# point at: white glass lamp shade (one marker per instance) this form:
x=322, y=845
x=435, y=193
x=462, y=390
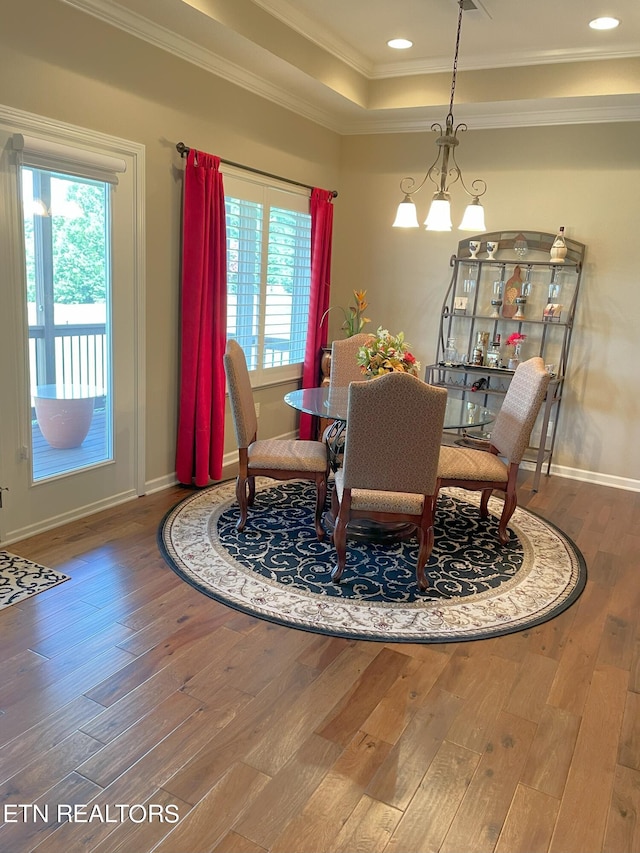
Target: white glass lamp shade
x=439, y=216
x=473, y=219
x=406, y=217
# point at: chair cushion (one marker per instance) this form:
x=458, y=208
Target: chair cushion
x=287, y=455
x=403, y=503
x=461, y=463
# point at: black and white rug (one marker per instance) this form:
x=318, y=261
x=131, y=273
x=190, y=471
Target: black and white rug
x=277, y=570
x=21, y=578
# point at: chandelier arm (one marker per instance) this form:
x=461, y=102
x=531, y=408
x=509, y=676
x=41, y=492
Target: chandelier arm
x=409, y=185
x=478, y=185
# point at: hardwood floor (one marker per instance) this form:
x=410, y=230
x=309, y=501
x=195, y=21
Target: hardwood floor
x=128, y=693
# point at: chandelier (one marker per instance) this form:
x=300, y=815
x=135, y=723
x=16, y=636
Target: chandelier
x=443, y=174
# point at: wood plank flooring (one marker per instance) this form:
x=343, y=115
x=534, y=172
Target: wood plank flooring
x=126, y=689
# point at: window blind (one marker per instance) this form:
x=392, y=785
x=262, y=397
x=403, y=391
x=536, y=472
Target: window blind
x=56, y=157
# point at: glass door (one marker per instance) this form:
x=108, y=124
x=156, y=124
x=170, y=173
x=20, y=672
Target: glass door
x=68, y=292
x=71, y=324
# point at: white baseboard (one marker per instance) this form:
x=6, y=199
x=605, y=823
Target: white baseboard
x=66, y=517
x=594, y=477
x=160, y=483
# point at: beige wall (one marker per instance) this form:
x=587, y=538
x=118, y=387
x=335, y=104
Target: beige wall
x=60, y=63
x=583, y=177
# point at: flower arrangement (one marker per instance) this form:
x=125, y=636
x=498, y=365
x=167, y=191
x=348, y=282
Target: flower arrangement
x=386, y=353
x=515, y=339
x=354, y=319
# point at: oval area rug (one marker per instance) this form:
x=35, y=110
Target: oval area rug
x=277, y=570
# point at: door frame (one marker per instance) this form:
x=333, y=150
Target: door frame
x=23, y=122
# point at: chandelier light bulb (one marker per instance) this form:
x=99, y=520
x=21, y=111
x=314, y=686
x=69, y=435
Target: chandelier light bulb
x=406, y=217
x=439, y=216
x=473, y=219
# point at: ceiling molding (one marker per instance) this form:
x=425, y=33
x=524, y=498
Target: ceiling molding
x=501, y=60
x=507, y=114
x=159, y=36
x=321, y=37
x=336, y=113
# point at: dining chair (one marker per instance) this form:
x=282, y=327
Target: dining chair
x=389, y=472
x=278, y=458
x=344, y=370
x=494, y=463
x=344, y=360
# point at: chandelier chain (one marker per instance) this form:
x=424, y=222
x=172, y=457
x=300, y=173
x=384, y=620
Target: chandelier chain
x=455, y=61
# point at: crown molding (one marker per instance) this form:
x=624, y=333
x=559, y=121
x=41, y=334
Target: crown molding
x=498, y=60
x=507, y=114
x=345, y=118
x=321, y=37
x=165, y=39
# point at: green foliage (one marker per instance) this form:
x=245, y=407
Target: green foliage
x=78, y=245
x=79, y=249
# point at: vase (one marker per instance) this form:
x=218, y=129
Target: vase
x=514, y=360
x=325, y=366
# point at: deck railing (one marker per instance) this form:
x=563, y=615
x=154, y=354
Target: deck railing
x=69, y=354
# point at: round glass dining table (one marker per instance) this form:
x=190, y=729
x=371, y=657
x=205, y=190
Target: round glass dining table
x=331, y=403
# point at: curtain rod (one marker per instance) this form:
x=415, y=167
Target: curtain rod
x=183, y=150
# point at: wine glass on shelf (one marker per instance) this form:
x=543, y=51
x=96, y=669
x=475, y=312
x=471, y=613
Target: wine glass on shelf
x=520, y=246
x=520, y=302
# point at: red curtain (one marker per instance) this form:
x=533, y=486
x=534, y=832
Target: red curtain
x=203, y=322
x=321, y=237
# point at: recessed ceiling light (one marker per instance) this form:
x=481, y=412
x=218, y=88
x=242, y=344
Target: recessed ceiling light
x=604, y=23
x=400, y=44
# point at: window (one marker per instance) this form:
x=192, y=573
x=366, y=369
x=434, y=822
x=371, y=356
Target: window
x=268, y=275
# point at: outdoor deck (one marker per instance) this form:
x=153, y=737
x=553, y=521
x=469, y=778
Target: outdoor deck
x=49, y=462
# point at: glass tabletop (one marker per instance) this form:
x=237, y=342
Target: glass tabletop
x=331, y=403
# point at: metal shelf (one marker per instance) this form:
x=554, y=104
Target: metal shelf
x=551, y=337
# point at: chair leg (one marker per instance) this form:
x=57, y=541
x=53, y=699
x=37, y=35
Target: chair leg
x=252, y=490
x=321, y=497
x=340, y=540
x=425, y=541
x=484, y=503
x=510, y=503
x=241, y=497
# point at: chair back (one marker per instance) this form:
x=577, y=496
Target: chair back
x=520, y=407
x=240, y=393
x=344, y=364
x=394, y=430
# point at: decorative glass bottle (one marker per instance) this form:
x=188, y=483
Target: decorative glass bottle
x=559, y=248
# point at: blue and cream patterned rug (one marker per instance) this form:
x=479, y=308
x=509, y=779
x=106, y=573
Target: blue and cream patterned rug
x=21, y=578
x=277, y=570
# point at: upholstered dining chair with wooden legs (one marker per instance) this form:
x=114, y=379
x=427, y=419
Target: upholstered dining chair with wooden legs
x=344, y=370
x=389, y=473
x=482, y=469
x=279, y=458
x=344, y=360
